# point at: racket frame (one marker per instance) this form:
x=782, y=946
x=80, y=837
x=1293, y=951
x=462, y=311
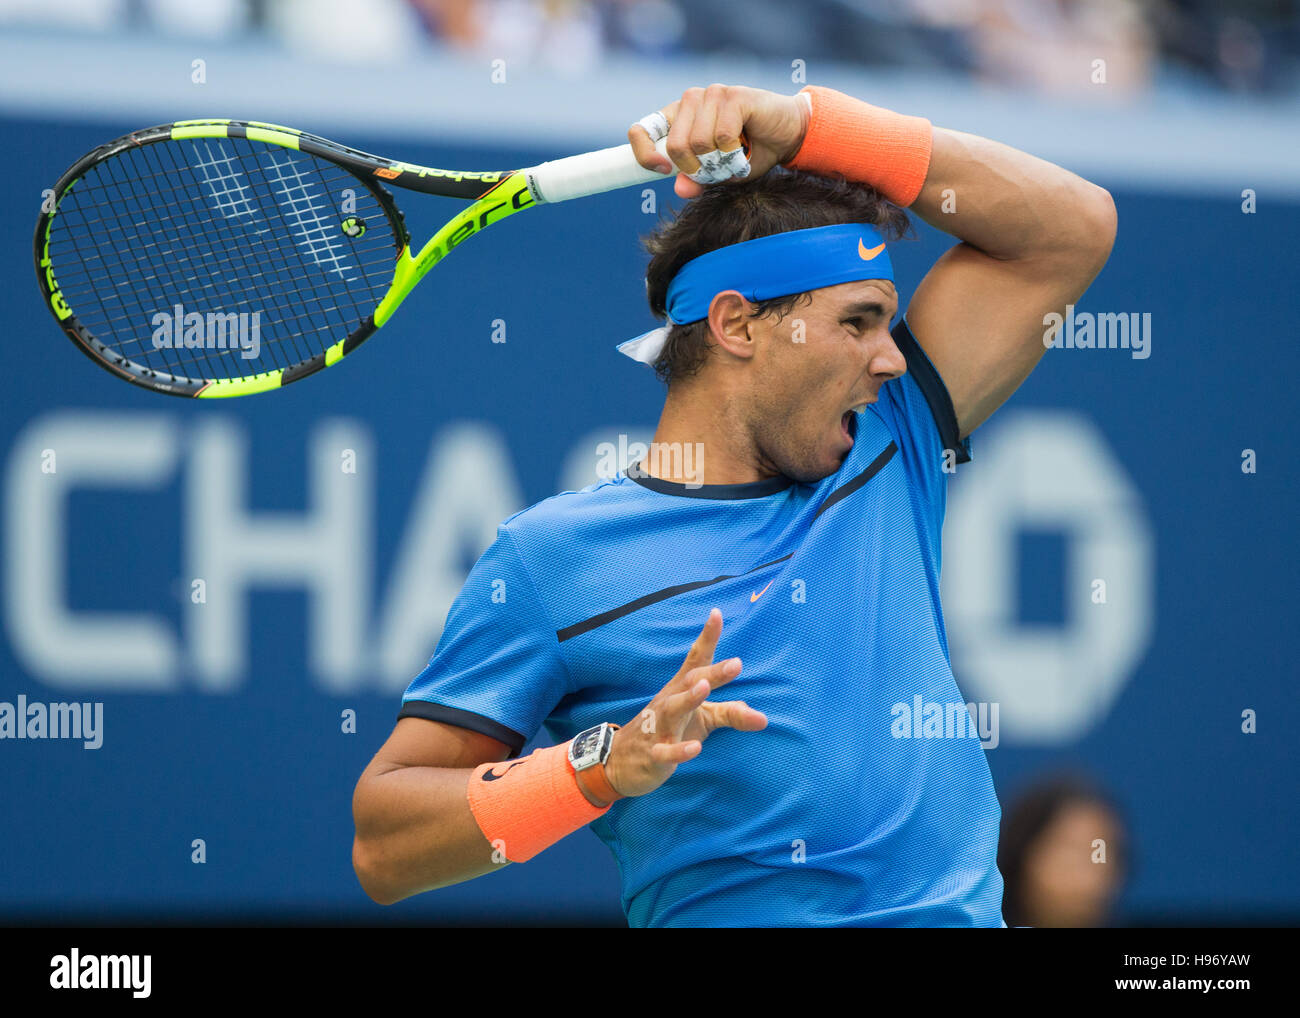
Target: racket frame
x=494, y=195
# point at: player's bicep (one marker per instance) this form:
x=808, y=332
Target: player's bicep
x=981, y=322
x=417, y=742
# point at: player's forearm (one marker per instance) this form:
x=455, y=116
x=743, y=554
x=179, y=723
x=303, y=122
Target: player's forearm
x=1012, y=205
x=415, y=832
x=1005, y=203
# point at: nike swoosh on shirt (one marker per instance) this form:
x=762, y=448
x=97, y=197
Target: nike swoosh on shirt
x=866, y=255
x=755, y=597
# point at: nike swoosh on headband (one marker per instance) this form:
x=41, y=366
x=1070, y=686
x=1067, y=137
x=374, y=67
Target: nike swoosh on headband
x=866, y=255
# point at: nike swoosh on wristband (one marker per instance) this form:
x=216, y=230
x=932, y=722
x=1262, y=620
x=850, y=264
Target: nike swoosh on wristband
x=489, y=776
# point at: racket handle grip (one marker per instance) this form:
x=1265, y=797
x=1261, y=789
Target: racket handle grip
x=592, y=173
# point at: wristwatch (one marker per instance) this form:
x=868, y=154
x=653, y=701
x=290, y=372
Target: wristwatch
x=587, y=755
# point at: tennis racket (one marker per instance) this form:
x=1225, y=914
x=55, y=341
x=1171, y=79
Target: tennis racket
x=225, y=257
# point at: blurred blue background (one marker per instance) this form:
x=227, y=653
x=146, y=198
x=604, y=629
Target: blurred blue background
x=224, y=720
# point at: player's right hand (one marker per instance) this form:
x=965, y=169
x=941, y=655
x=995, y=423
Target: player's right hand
x=674, y=725
x=717, y=118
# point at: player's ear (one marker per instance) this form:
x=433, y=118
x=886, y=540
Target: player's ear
x=730, y=318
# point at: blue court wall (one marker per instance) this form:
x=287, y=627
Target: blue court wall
x=223, y=721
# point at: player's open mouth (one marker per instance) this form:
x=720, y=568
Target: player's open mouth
x=846, y=419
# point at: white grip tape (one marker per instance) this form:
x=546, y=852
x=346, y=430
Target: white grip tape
x=592, y=173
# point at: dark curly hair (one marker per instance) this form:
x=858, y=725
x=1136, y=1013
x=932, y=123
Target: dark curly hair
x=779, y=201
x=1031, y=814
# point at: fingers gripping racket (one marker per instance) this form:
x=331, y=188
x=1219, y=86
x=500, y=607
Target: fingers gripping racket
x=225, y=257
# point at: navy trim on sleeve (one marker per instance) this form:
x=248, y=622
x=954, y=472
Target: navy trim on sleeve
x=463, y=719
x=932, y=388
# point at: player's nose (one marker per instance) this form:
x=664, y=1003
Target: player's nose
x=886, y=360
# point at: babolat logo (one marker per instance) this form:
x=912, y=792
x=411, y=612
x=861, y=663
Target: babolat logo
x=397, y=169
x=521, y=199
x=57, y=303
x=179, y=329
x=74, y=971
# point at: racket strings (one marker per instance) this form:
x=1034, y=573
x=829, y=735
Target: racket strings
x=276, y=285
x=228, y=192
x=268, y=255
x=220, y=202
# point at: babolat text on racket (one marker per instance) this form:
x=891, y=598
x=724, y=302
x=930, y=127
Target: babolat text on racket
x=228, y=257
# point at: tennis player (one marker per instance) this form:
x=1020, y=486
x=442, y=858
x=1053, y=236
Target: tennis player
x=791, y=563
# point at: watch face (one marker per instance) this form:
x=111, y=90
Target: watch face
x=585, y=750
x=587, y=743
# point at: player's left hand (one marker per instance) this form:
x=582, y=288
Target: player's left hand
x=707, y=119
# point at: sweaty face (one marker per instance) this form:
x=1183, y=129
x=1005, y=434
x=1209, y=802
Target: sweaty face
x=812, y=368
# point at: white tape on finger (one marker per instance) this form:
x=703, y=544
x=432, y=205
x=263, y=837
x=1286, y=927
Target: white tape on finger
x=717, y=166
x=655, y=124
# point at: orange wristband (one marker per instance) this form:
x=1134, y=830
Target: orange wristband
x=524, y=806
x=866, y=144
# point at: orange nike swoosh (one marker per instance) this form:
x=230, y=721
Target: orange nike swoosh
x=866, y=255
x=755, y=597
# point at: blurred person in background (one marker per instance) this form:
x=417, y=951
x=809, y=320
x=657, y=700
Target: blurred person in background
x=563, y=35
x=1064, y=855
x=1103, y=47
x=1249, y=45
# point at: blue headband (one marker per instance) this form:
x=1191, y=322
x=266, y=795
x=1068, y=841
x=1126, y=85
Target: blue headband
x=775, y=266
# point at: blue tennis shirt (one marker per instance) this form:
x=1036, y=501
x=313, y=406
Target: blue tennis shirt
x=835, y=814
